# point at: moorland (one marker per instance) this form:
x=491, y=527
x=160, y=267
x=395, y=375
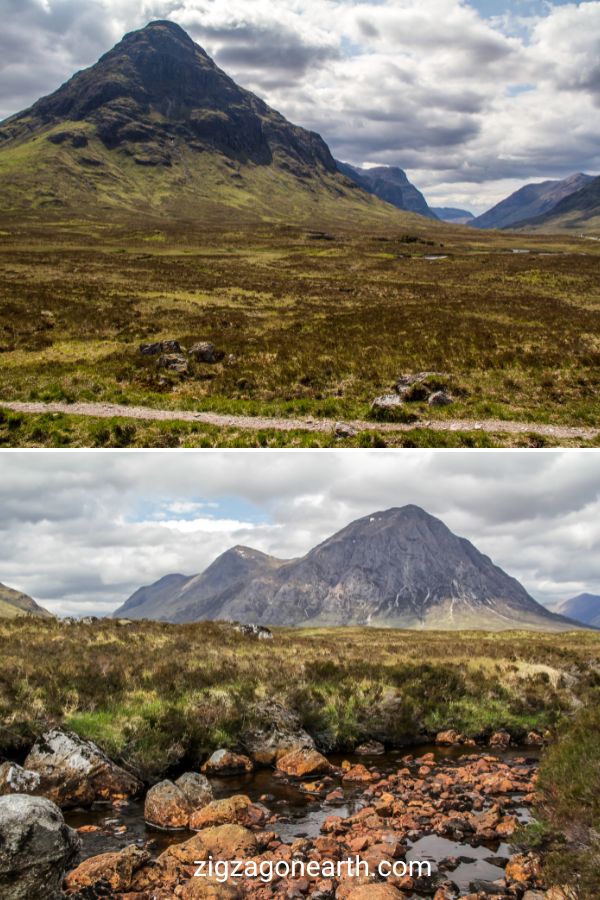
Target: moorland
x=306, y=325
x=160, y=697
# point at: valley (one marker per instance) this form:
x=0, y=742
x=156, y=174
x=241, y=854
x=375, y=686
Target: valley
x=304, y=323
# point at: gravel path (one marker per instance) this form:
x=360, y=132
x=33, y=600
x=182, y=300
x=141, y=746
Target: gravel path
x=108, y=410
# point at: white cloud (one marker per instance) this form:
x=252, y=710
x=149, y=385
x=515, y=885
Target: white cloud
x=429, y=85
x=71, y=534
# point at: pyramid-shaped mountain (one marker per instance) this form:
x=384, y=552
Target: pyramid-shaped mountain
x=400, y=568
x=155, y=123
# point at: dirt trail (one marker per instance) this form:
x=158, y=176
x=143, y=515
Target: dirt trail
x=222, y=420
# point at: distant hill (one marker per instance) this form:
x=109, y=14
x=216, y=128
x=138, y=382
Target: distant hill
x=156, y=126
x=451, y=214
x=399, y=568
x=14, y=603
x=579, y=211
x=530, y=201
x=391, y=184
x=583, y=608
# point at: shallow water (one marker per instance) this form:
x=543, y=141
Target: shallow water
x=301, y=814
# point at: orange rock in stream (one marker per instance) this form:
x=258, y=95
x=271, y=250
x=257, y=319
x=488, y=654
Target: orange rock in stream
x=359, y=773
x=115, y=870
x=238, y=810
x=303, y=763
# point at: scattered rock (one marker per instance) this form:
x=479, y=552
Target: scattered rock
x=303, y=763
x=196, y=788
x=35, y=848
x=386, y=402
x=500, y=739
x=449, y=738
x=277, y=732
x=15, y=779
x=370, y=748
x=109, y=872
x=224, y=762
x=204, y=351
x=174, y=362
x=236, y=810
x=534, y=739
x=74, y=772
x=160, y=347
x=342, y=430
x=167, y=806
x=251, y=630
x=440, y=398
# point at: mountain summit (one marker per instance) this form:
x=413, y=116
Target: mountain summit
x=156, y=123
x=400, y=567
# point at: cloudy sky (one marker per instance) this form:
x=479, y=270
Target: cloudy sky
x=472, y=98
x=80, y=531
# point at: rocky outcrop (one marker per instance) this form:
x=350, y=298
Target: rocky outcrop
x=15, y=779
x=224, y=762
x=74, y=772
x=36, y=847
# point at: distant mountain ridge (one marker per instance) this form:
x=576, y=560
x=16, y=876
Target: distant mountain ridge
x=579, y=211
x=530, y=201
x=14, y=603
x=391, y=184
x=583, y=608
x=397, y=568
x=452, y=214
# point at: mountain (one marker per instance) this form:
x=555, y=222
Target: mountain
x=155, y=125
x=391, y=184
x=451, y=214
x=583, y=608
x=14, y=603
x=398, y=568
x=579, y=211
x=530, y=201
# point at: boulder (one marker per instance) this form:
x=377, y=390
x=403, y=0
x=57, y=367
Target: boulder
x=210, y=889
x=440, y=398
x=110, y=873
x=370, y=748
x=343, y=430
x=448, y=738
x=174, y=362
x=224, y=762
x=534, y=739
x=167, y=806
x=386, y=402
x=15, y=779
x=256, y=631
x=277, y=732
x=235, y=810
x=74, y=772
x=375, y=892
x=303, y=763
x=35, y=848
x=160, y=347
x=196, y=788
x=218, y=842
x=204, y=351
x=500, y=739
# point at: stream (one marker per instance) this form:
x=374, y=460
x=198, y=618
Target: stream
x=301, y=815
